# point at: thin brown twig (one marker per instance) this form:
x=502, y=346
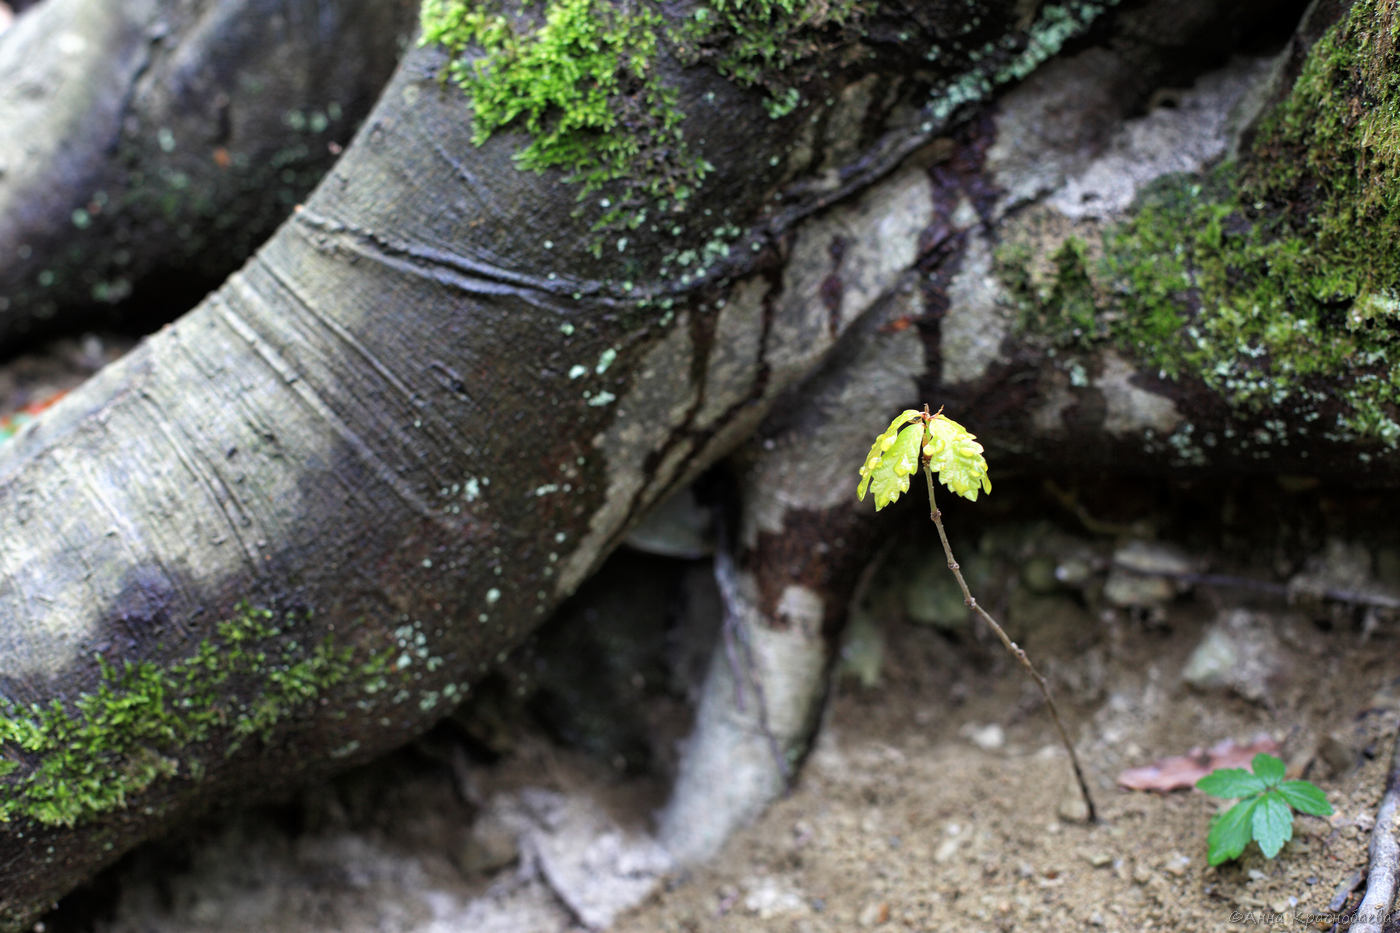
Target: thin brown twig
x=1385, y=855
x=1011, y=646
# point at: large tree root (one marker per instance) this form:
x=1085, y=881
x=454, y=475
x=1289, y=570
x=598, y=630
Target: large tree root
x=797, y=560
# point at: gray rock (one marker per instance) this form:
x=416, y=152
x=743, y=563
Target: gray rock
x=1146, y=574
x=678, y=527
x=1238, y=652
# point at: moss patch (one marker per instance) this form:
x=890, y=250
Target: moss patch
x=584, y=84
x=1327, y=160
x=64, y=764
x=1275, y=282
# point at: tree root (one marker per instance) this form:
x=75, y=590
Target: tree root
x=1385, y=855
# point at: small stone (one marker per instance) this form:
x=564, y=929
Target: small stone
x=1239, y=651
x=1074, y=572
x=1212, y=660
x=770, y=898
x=1072, y=808
x=1152, y=557
x=946, y=849
x=988, y=738
x=492, y=845
x=1099, y=859
x=678, y=527
x=874, y=914
x=1132, y=590
x=1176, y=864
x=1145, y=574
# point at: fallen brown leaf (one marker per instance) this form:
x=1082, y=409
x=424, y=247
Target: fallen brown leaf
x=1181, y=771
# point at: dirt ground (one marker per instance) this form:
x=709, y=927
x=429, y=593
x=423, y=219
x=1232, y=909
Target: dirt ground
x=936, y=797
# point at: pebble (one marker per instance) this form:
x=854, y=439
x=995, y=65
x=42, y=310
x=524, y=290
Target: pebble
x=988, y=738
x=1131, y=590
x=1239, y=651
x=492, y=845
x=874, y=914
x=1072, y=808
x=947, y=849
x=1176, y=864
x=770, y=898
x=1144, y=574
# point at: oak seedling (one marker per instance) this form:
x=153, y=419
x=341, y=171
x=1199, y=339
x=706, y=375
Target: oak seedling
x=935, y=443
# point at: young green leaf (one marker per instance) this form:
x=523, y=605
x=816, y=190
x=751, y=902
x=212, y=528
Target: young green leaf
x=954, y=454
x=1230, y=832
x=1231, y=782
x=1304, y=797
x=875, y=459
x=951, y=451
x=1269, y=768
x=891, y=475
x=1272, y=823
x=1265, y=814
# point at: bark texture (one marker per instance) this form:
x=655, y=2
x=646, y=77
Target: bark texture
x=290, y=529
x=162, y=142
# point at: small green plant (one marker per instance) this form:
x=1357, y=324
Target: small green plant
x=1264, y=812
x=934, y=443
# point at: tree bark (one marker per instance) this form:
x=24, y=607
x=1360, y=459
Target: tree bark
x=290, y=529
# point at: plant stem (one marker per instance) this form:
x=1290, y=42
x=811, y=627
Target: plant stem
x=1011, y=646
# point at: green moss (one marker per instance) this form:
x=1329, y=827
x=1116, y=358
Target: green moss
x=764, y=43
x=1327, y=160
x=581, y=78
x=584, y=85
x=1275, y=282
x=1072, y=293
x=66, y=763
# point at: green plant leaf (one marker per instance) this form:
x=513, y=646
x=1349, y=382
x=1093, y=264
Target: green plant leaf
x=882, y=445
x=891, y=475
x=1231, y=782
x=1305, y=797
x=1269, y=768
x=1272, y=823
x=1229, y=832
x=954, y=454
